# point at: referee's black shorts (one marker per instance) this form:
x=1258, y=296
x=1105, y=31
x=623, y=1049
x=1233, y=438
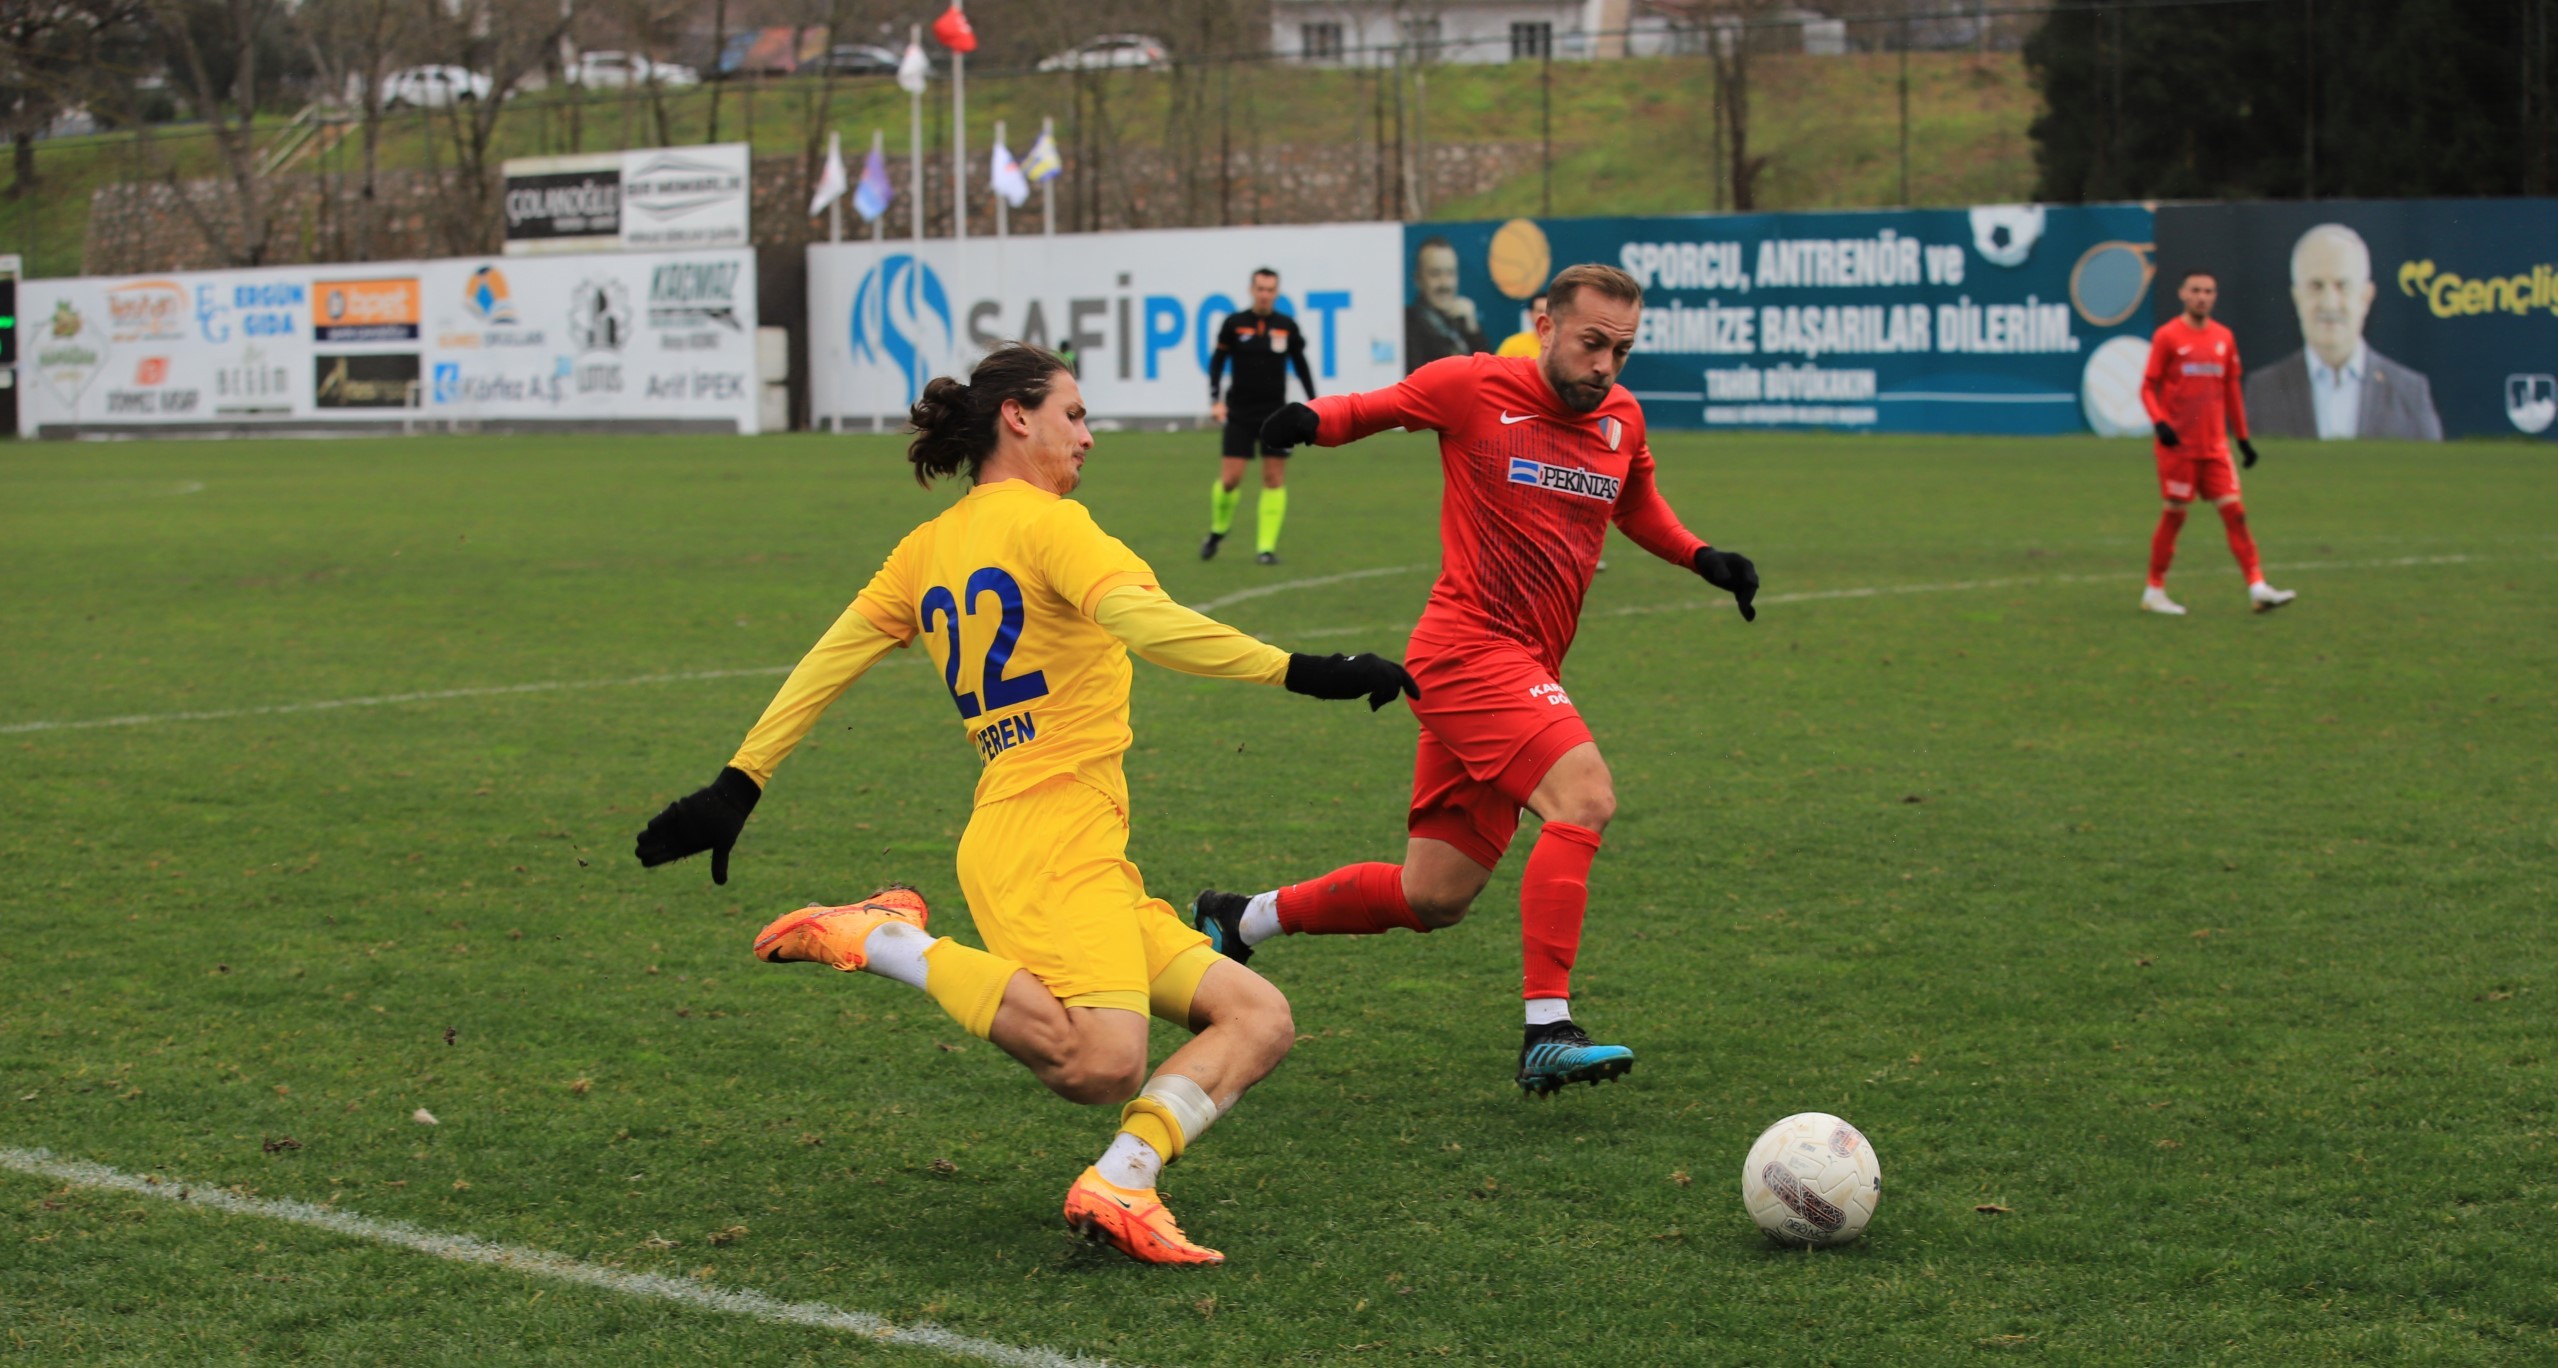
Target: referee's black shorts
x=1243, y=432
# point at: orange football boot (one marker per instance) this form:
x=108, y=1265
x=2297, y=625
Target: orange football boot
x=1132, y=1221
x=834, y=935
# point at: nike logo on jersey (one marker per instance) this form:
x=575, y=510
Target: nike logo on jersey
x=1588, y=484
x=1508, y=418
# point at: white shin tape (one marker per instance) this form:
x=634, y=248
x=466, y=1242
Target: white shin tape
x=1189, y=1104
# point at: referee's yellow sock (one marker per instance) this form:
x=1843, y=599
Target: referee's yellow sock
x=1222, y=503
x=1274, y=511
x=967, y=982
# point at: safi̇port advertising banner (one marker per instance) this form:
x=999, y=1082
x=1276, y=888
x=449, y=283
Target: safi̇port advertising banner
x=2001, y=319
x=1140, y=311
x=664, y=341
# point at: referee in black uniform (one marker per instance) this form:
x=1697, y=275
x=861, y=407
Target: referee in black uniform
x=1261, y=343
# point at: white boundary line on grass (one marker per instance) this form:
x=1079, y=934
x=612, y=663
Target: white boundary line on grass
x=381, y=700
x=543, y=1264
x=1240, y=595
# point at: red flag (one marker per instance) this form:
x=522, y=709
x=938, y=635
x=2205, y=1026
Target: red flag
x=951, y=30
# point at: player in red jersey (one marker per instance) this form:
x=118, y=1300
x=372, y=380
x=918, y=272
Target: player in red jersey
x=1540, y=454
x=2191, y=392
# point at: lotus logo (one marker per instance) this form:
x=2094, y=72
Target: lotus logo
x=896, y=310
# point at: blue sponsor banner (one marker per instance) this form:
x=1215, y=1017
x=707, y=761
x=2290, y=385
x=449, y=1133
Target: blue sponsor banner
x=2395, y=319
x=2001, y=319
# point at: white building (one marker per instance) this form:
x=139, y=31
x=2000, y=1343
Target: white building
x=1374, y=32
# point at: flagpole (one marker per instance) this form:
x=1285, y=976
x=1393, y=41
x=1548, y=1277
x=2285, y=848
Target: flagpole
x=958, y=140
x=835, y=206
x=915, y=126
x=879, y=149
x=1003, y=215
x=1048, y=184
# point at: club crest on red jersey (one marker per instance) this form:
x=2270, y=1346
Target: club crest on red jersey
x=1611, y=432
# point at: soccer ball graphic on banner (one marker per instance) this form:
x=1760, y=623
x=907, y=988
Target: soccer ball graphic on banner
x=1811, y=1180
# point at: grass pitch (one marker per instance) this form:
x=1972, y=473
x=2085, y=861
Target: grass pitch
x=2191, y=977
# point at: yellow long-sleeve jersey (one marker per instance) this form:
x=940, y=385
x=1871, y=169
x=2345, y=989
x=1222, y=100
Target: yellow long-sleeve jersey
x=1030, y=610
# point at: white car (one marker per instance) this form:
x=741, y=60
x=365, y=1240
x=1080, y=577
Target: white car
x=432, y=87
x=619, y=70
x=1108, y=52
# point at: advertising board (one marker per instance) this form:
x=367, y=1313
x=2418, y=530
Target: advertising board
x=647, y=339
x=643, y=200
x=2408, y=319
x=1139, y=309
x=2000, y=319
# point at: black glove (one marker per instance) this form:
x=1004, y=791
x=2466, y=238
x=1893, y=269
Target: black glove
x=2166, y=432
x=2246, y=454
x=1372, y=677
x=708, y=819
x=1293, y=426
x=1731, y=572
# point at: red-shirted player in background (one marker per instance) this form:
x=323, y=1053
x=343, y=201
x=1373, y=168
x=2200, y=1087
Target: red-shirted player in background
x=2191, y=392
x=1540, y=454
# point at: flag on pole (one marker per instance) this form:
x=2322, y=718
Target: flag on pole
x=830, y=182
x=873, y=195
x=1041, y=163
x=953, y=32
x=914, y=69
x=1009, y=182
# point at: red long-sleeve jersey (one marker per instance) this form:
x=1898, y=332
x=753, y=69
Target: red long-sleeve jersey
x=1531, y=488
x=2192, y=386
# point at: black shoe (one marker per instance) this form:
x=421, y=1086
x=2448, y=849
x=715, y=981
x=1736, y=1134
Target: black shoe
x=1267, y=558
x=1559, y=1053
x=1208, y=548
x=1219, y=916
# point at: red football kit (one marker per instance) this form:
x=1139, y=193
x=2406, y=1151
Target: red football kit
x=2191, y=384
x=1531, y=487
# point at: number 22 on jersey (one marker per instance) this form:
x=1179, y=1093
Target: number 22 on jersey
x=997, y=627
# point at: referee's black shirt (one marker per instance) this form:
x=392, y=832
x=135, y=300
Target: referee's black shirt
x=1261, y=348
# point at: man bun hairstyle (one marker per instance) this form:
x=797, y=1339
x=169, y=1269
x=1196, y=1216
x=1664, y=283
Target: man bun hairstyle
x=1605, y=281
x=955, y=422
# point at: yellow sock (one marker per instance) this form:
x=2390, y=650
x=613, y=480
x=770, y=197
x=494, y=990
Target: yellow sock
x=1222, y=503
x=1272, y=510
x=1152, y=1126
x=968, y=983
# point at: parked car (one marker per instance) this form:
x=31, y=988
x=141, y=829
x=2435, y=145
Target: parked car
x=860, y=59
x=1108, y=52
x=432, y=87
x=609, y=70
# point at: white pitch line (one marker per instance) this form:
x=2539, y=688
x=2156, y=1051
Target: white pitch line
x=543, y=1264
x=1259, y=591
x=1318, y=581
x=384, y=700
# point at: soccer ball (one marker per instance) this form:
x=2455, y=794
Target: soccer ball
x=1811, y=1180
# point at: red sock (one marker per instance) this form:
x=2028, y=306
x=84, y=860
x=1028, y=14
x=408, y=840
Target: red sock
x=2242, y=544
x=1354, y=900
x=2162, y=545
x=1554, y=896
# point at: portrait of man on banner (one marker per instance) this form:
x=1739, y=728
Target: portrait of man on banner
x=2337, y=387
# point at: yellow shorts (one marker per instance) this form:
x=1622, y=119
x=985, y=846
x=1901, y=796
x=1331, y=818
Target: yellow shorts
x=1047, y=877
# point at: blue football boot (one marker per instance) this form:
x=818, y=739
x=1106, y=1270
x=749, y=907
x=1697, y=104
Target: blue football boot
x=1559, y=1052
x=1219, y=917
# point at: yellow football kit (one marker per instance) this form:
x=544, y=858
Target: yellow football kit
x=1029, y=610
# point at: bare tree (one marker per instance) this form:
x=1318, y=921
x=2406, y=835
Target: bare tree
x=353, y=45
x=242, y=231
x=54, y=59
x=506, y=41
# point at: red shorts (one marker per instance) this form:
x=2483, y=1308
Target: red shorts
x=2183, y=478
x=1493, y=721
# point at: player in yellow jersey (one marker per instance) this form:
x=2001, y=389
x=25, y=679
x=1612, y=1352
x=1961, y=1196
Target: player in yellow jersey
x=1030, y=611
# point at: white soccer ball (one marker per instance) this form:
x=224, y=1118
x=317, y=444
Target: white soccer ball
x=1811, y=1180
